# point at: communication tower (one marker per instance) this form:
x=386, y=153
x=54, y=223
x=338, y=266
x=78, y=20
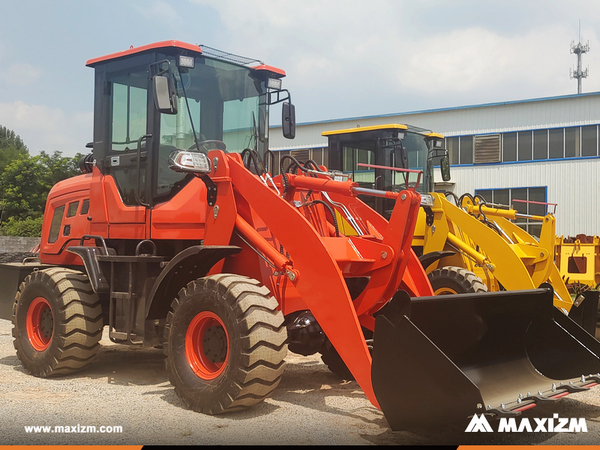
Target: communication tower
x=579, y=49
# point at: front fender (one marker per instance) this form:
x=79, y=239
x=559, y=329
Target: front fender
x=191, y=263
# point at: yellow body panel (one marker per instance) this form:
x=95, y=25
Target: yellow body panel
x=579, y=262
x=514, y=261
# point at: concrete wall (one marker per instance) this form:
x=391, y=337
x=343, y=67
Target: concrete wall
x=17, y=244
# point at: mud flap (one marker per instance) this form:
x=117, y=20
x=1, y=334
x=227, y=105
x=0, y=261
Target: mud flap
x=438, y=360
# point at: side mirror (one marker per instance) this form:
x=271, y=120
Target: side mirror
x=288, y=120
x=165, y=96
x=445, y=167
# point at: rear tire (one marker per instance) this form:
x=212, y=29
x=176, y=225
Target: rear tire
x=226, y=343
x=57, y=322
x=455, y=280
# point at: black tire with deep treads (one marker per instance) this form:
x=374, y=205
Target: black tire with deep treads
x=256, y=343
x=455, y=280
x=76, y=321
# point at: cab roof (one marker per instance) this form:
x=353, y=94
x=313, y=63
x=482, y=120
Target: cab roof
x=194, y=49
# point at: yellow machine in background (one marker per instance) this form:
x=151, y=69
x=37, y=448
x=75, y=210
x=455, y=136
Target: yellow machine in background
x=578, y=261
x=465, y=245
x=483, y=240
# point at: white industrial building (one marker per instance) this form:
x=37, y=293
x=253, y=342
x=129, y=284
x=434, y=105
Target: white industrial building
x=541, y=150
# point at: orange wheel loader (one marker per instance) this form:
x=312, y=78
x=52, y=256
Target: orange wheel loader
x=177, y=235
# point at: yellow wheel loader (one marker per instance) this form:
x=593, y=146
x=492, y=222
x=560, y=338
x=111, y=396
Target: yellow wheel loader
x=465, y=244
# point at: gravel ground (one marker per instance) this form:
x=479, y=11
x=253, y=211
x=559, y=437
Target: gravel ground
x=128, y=387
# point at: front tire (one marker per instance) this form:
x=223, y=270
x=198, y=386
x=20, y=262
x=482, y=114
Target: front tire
x=57, y=322
x=455, y=280
x=226, y=343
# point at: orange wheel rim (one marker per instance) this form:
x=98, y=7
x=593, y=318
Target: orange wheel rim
x=207, y=345
x=39, y=324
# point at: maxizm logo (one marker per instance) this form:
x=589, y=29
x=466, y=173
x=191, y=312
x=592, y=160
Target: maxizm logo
x=510, y=425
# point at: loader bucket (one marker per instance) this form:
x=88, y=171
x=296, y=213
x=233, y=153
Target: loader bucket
x=586, y=314
x=438, y=360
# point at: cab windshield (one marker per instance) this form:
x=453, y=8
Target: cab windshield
x=216, y=101
x=416, y=149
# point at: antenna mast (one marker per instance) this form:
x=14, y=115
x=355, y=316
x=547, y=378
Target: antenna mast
x=579, y=49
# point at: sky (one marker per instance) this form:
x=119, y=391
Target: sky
x=343, y=58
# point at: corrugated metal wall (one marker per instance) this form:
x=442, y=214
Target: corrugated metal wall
x=527, y=115
x=572, y=184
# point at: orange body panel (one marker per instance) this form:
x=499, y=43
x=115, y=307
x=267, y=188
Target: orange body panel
x=72, y=226
x=183, y=217
x=124, y=222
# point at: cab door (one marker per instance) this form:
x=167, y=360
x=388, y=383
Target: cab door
x=126, y=158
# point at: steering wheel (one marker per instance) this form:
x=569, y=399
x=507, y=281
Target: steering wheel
x=210, y=144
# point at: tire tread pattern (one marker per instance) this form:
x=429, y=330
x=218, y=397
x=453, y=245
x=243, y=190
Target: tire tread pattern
x=263, y=341
x=78, y=323
x=458, y=278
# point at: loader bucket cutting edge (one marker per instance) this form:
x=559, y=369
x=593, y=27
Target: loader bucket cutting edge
x=442, y=359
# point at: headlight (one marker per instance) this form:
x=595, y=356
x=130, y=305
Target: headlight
x=274, y=83
x=184, y=161
x=426, y=200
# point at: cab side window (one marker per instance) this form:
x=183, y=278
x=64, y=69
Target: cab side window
x=128, y=114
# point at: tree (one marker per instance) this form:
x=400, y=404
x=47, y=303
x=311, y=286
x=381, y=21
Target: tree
x=25, y=184
x=11, y=147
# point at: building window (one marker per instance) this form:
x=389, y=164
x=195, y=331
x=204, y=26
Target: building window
x=572, y=142
x=555, y=143
x=556, y=140
x=589, y=141
x=540, y=144
x=466, y=149
x=509, y=147
x=524, y=145
x=528, y=201
x=453, y=149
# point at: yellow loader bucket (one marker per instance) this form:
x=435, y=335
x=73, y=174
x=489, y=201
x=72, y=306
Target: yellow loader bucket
x=439, y=360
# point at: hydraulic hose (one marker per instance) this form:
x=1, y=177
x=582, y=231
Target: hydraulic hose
x=331, y=211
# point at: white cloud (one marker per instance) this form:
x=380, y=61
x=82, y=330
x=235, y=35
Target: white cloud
x=359, y=58
x=20, y=74
x=162, y=10
x=43, y=128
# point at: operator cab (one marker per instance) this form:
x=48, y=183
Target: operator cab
x=148, y=102
x=366, y=154
x=152, y=100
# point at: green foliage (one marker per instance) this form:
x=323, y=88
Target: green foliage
x=9, y=138
x=22, y=227
x=11, y=147
x=25, y=184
